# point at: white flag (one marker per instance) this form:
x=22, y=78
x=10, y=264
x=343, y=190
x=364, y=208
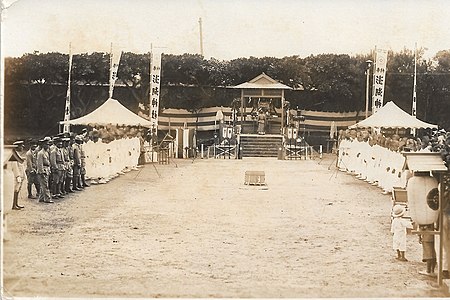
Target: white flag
x=114, y=67
x=67, y=106
x=379, y=78
x=155, y=83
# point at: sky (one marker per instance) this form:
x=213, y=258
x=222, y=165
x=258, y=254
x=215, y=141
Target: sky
x=231, y=28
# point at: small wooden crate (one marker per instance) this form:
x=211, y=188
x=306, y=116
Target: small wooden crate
x=255, y=178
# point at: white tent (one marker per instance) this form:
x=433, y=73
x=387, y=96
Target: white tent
x=110, y=112
x=392, y=116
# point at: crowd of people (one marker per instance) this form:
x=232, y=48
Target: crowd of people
x=376, y=157
x=106, y=161
x=54, y=167
x=432, y=141
x=110, y=133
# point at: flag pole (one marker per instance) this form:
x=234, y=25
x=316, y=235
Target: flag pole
x=414, y=99
x=110, y=71
x=66, y=127
x=414, y=107
x=201, y=36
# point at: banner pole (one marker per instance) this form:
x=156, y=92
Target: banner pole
x=66, y=127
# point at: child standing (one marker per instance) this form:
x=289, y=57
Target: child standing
x=428, y=251
x=398, y=229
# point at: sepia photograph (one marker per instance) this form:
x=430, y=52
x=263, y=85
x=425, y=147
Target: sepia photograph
x=225, y=149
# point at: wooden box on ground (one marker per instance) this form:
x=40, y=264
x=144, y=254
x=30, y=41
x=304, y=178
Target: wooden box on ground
x=255, y=178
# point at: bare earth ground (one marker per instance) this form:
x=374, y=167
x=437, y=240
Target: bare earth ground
x=196, y=231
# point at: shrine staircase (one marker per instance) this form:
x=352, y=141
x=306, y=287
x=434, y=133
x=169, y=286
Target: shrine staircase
x=254, y=145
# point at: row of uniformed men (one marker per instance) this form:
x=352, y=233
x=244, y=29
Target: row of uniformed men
x=55, y=166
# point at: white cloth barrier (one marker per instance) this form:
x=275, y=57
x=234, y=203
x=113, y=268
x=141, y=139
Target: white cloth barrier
x=107, y=160
x=375, y=164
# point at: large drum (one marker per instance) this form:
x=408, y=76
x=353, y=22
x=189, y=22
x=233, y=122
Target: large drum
x=421, y=191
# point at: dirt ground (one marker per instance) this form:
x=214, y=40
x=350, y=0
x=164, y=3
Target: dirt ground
x=192, y=229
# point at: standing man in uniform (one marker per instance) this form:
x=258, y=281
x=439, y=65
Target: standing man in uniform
x=52, y=146
x=77, y=163
x=69, y=176
x=57, y=167
x=31, y=170
x=19, y=175
x=43, y=170
x=66, y=158
x=83, y=160
x=62, y=181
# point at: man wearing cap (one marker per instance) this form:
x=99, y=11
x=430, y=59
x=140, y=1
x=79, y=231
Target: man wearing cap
x=57, y=167
x=62, y=180
x=31, y=170
x=85, y=135
x=19, y=175
x=77, y=163
x=83, y=163
x=66, y=158
x=70, y=165
x=52, y=146
x=43, y=170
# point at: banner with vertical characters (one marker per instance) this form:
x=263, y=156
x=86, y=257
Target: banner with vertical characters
x=379, y=76
x=155, y=82
x=66, y=127
x=114, y=67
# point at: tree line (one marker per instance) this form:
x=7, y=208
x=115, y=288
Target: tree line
x=36, y=83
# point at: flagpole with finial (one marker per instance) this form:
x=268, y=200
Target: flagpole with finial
x=66, y=127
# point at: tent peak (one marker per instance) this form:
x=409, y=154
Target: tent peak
x=392, y=116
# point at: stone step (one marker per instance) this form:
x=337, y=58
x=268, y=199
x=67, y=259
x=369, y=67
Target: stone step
x=261, y=140
x=256, y=149
x=259, y=155
x=260, y=148
x=261, y=137
x=260, y=145
x=271, y=145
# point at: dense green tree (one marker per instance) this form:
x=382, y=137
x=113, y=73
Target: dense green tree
x=36, y=83
x=291, y=71
x=134, y=73
x=337, y=80
x=438, y=99
x=90, y=69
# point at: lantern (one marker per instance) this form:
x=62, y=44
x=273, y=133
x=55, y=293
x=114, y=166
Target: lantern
x=421, y=209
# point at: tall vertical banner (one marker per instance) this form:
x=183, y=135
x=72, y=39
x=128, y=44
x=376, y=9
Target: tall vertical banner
x=114, y=67
x=66, y=127
x=155, y=82
x=379, y=78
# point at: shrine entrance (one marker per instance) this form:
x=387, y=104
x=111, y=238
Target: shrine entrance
x=261, y=108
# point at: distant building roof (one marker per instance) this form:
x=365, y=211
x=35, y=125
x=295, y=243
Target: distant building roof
x=262, y=81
